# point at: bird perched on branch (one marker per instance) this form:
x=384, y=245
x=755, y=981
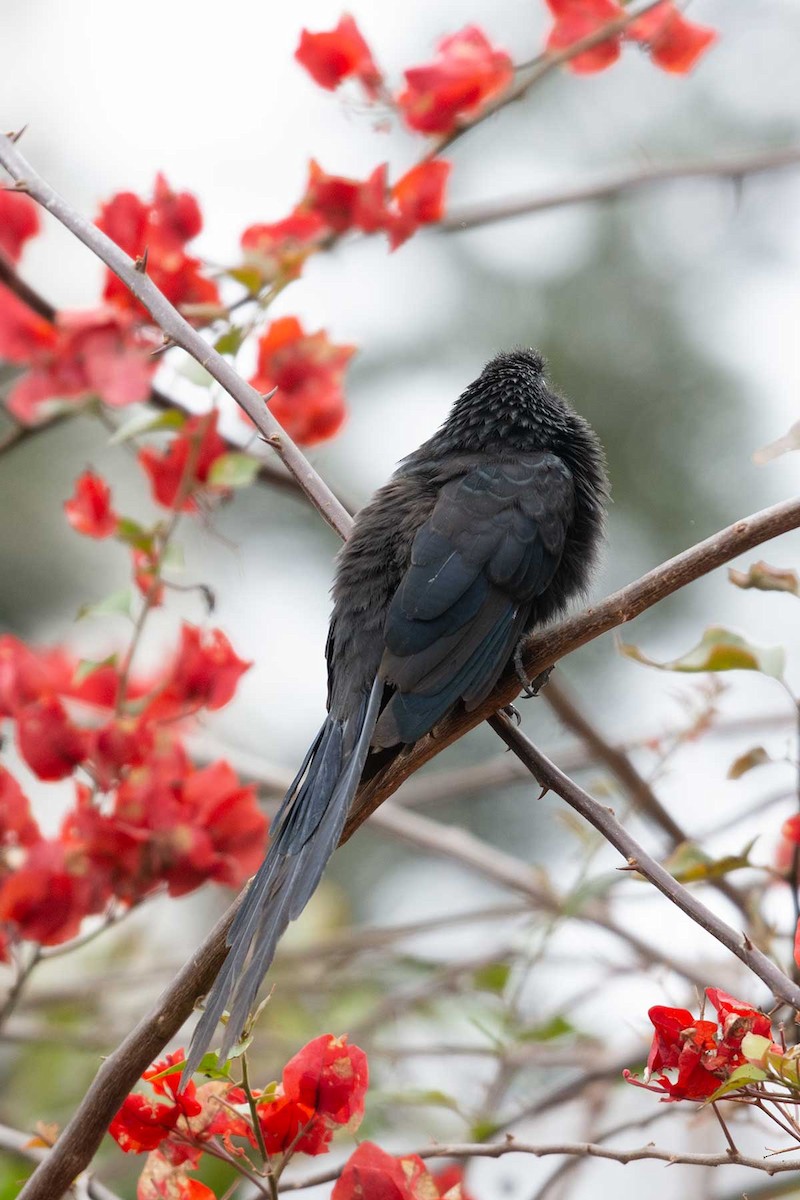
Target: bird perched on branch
x=484, y=533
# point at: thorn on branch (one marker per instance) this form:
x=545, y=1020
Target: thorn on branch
x=140, y=263
x=748, y=945
x=14, y=137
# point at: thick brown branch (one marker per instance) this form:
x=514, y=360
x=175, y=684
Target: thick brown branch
x=732, y=169
x=543, y=649
x=13, y=1141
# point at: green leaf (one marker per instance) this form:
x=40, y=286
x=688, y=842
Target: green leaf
x=492, y=977
x=173, y=557
x=196, y=374
x=233, y=470
x=755, y=757
x=117, y=602
x=754, y=1045
x=208, y=1065
x=148, y=422
x=249, y=276
x=548, y=1031
x=690, y=864
x=737, y=1079
x=229, y=341
x=86, y=667
x=719, y=650
x=134, y=534
x=765, y=578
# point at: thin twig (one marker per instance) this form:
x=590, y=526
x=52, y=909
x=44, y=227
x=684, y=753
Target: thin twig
x=549, y=776
x=733, y=169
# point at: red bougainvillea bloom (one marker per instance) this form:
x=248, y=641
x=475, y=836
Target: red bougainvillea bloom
x=89, y=510
x=162, y=227
x=186, y=462
x=330, y=1077
x=19, y=221
x=674, y=43
x=450, y=1178
x=143, y=1122
x=418, y=199
x=96, y=353
x=338, y=54
x=308, y=370
x=280, y=249
x=577, y=19
x=118, y=746
x=24, y=676
x=47, y=897
x=17, y=826
x=372, y=1174
x=204, y=674
x=702, y=1053
x=468, y=73
x=144, y=576
x=346, y=203
x=50, y=743
x=281, y=1121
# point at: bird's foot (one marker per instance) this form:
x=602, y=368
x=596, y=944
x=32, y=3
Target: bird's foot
x=531, y=687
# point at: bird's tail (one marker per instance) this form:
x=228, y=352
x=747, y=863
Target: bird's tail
x=303, y=836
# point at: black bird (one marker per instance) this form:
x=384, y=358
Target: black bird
x=484, y=533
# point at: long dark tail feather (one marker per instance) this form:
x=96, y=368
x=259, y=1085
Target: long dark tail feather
x=303, y=836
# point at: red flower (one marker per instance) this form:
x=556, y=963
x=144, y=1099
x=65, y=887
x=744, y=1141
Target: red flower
x=204, y=674
x=24, y=676
x=372, y=1174
x=577, y=19
x=308, y=370
x=186, y=462
x=458, y=85
x=118, y=746
x=281, y=1121
x=48, y=896
x=17, y=826
x=702, y=1053
x=142, y=1123
x=280, y=249
x=450, y=1178
x=89, y=511
x=418, y=199
x=339, y=54
x=48, y=741
x=674, y=43
x=144, y=576
x=330, y=1077
x=94, y=353
x=346, y=203
x=162, y=227
x=19, y=221
x=737, y=1018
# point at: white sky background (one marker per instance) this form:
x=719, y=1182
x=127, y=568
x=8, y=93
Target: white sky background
x=210, y=94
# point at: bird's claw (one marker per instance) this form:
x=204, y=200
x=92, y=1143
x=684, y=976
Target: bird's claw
x=530, y=687
x=513, y=714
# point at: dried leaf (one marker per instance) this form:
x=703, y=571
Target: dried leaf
x=782, y=445
x=765, y=578
x=719, y=650
x=755, y=757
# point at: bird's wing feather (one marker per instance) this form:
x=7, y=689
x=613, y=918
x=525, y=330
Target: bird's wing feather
x=491, y=545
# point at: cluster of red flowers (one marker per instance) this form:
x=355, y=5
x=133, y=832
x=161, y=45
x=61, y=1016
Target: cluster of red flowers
x=701, y=1053
x=143, y=817
x=322, y=1089
x=673, y=43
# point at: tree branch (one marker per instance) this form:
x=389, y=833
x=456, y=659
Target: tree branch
x=119, y=1073
x=174, y=326
x=733, y=169
x=546, y=647
x=549, y=776
x=13, y=1141
x=580, y=1149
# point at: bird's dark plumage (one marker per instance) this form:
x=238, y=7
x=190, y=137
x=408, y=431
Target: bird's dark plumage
x=485, y=532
